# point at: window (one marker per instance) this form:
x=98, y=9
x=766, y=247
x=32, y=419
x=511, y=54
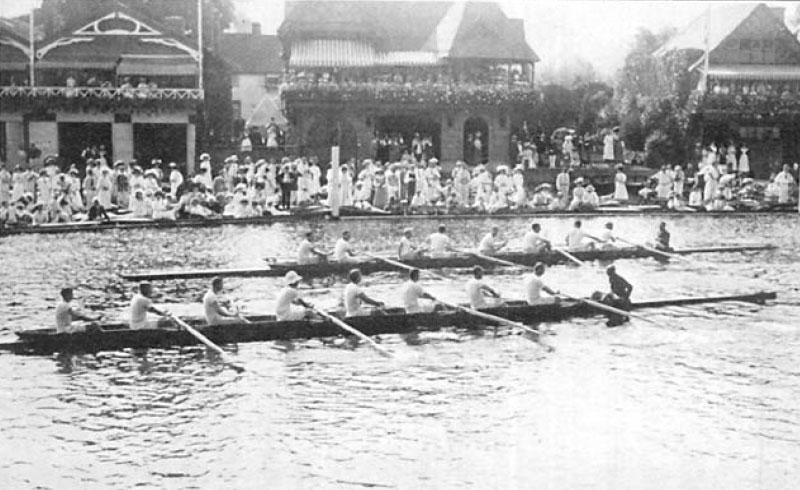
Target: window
x=237, y=109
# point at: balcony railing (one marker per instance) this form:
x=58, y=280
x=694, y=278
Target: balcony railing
x=111, y=98
x=426, y=94
x=752, y=105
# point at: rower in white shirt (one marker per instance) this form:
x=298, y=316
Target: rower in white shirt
x=407, y=250
x=577, y=239
x=490, y=244
x=290, y=307
x=354, y=296
x=534, y=243
x=413, y=292
x=440, y=244
x=141, y=304
x=480, y=295
x=343, y=251
x=534, y=287
x=607, y=238
x=66, y=312
x=308, y=254
x=215, y=313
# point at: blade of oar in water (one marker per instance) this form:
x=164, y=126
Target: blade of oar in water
x=202, y=338
x=348, y=328
x=596, y=304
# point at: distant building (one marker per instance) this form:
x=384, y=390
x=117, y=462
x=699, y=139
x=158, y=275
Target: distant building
x=256, y=68
x=750, y=93
x=119, y=79
x=457, y=74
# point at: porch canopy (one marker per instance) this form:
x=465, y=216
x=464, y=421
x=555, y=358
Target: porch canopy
x=755, y=72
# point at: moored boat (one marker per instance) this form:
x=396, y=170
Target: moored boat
x=277, y=269
x=267, y=328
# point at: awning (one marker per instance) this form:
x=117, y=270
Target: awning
x=408, y=58
x=169, y=65
x=333, y=53
x=755, y=72
x=78, y=64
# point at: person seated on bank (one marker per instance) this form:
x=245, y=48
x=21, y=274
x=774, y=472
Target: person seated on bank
x=577, y=239
x=215, y=313
x=662, y=238
x=607, y=238
x=307, y=253
x=440, y=244
x=290, y=306
x=534, y=287
x=354, y=296
x=489, y=244
x=480, y=295
x=413, y=292
x=141, y=305
x=97, y=212
x=620, y=288
x=407, y=250
x=534, y=243
x=591, y=200
x=66, y=312
x=343, y=250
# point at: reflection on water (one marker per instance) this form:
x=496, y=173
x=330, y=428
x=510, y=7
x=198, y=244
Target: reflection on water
x=709, y=401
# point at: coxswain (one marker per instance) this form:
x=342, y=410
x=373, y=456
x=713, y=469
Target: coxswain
x=308, y=254
x=662, y=238
x=440, y=243
x=343, y=251
x=290, y=307
x=607, y=238
x=141, y=304
x=406, y=249
x=534, y=243
x=534, y=287
x=354, y=295
x=413, y=292
x=66, y=312
x=489, y=244
x=620, y=288
x=215, y=313
x=577, y=239
x=480, y=295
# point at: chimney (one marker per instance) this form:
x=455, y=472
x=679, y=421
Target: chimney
x=176, y=24
x=256, y=28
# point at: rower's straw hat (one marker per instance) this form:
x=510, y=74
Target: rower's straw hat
x=407, y=230
x=292, y=277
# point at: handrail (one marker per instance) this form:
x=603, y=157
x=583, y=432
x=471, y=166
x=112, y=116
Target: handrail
x=104, y=93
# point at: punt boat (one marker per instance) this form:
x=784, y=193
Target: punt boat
x=116, y=336
x=466, y=260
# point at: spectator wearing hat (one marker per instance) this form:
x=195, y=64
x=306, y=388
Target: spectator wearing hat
x=620, y=184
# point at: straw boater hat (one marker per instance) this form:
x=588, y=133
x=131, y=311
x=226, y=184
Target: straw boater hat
x=205, y=156
x=173, y=165
x=291, y=277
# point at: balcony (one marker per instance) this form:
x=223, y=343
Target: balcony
x=102, y=99
x=422, y=94
x=751, y=106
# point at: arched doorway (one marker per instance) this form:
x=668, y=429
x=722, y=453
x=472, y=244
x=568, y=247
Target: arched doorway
x=325, y=132
x=408, y=127
x=476, y=140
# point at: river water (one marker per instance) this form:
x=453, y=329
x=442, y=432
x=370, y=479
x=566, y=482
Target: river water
x=708, y=400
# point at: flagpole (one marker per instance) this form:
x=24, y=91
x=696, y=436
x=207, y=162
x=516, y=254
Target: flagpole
x=200, y=43
x=707, y=48
x=32, y=55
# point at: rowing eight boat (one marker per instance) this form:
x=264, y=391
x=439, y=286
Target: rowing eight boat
x=456, y=261
x=266, y=328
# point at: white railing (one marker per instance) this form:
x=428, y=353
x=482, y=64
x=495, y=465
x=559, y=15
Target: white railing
x=103, y=93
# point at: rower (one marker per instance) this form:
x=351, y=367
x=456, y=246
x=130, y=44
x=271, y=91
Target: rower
x=66, y=312
x=215, y=313
x=489, y=244
x=620, y=288
x=413, y=292
x=141, y=304
x=577, y=239
x=289, y=306
x=407, y=250
x=662, y=238
x=354, y=295
x=440, y=243
x=607, y=238
x=534, y=287
x=308, y=254
x=480, y=295
x=343, y=251
x=534, y=243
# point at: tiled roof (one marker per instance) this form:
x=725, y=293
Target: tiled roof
x=719, y=21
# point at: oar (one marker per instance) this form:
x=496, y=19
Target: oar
x=596, y=304
x=409, y=267
x=655, y=250
x=202, y=338
x=348, y=328
x=569, y=256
